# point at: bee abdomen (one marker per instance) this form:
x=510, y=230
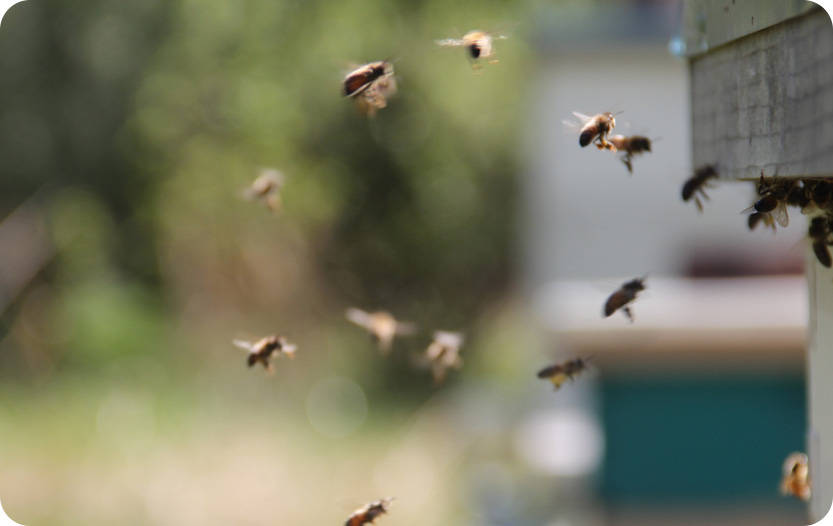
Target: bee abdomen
x=822, y=253
x=585, y=138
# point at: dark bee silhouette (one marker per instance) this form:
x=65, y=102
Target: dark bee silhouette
x=819, y=233
x=620, y=299
x=773, y=194
x=367, y=514
x=479, y=44
x=381, y=325
x=561, y=372
x=756, y=217
x=444, y=353
x=632, y=145
x=694, y=186
x=821, y=192
x=370, y=85
x=797, y=196
x=596, y=128
x=263, y=350
x=796, y=478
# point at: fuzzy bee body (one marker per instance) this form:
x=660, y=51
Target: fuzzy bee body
x=444, y=353
x=622, y=297
x=796, y=477
x=596, y=128
x=631, y=145
x=381, y=325
x=820, y=234
x=263, y=350
x=559, y=373
x=370, y=85
x=369, y=513
x=695, y=185
x=478, y=44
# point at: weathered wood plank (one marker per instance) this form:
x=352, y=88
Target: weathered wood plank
x=765, y=101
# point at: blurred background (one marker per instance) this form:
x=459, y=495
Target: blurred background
x=129, y=260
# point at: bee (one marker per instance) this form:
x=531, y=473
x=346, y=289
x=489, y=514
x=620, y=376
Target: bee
x=561, y=372
x=819, y=233
x=756, y=217
x=773, y=194
x=696, y=183
x=798, y=196
x=596, y=128
x=624, y=295
x=263, y=350
x=267, y=187
x=796, y=479
x=367, y=514
x=381, y=325
x=632, y=145
x=370, y=85
x=479, y=44
x=444, y=353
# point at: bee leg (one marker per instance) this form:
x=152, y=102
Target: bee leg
x=698, y=203
x=628, y=313
x=628, y=163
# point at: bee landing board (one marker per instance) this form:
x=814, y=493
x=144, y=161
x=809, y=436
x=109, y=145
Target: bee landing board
x=765, y=100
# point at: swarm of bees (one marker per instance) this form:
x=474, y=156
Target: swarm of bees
x=267, y=188
x=381, y=325
x=561, y=372
x=479, y=44
x=370, y=85
x=444, y=353
x=622, y=297
x=263, y=350
x=796, y=477
x=369, y=513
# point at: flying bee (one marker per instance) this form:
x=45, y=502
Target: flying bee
x=444, y=353
x=624, y=295
x=267, y=188
x=381, y=325
x=367, y=514
x=479, y=44
x=819, y=233
x=796, y=479
x=631, y=145
x=263, y=350
x=561, y=372
x=695, y=185
x=370, y=86
x=596, y=128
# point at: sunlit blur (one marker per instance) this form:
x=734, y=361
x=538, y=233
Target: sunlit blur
x=137, y=243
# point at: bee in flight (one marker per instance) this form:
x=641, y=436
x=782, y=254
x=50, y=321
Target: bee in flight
x=370, y=86
x=263, y=350
x=595, y=128
x=561, y=372
x=796, y=479
x=267, y=188
x=367, y=514
x=381, y=325
x=624, y=295
x=444, y=353
x=479, y=44
x=695, y=185
x=630, y=145
x=819, y=233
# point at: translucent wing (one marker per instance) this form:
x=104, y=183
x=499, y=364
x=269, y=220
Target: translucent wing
x=243, y=345
x=780, y=214
x=450, y=42
x=359, y=317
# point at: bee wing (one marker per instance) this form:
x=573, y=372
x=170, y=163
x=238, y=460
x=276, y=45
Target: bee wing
x=289, y=349
x=582, y=117
x=243, y=345
x=449, y=42
x=359, y=317
x=405, y=328
x=780, y=214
